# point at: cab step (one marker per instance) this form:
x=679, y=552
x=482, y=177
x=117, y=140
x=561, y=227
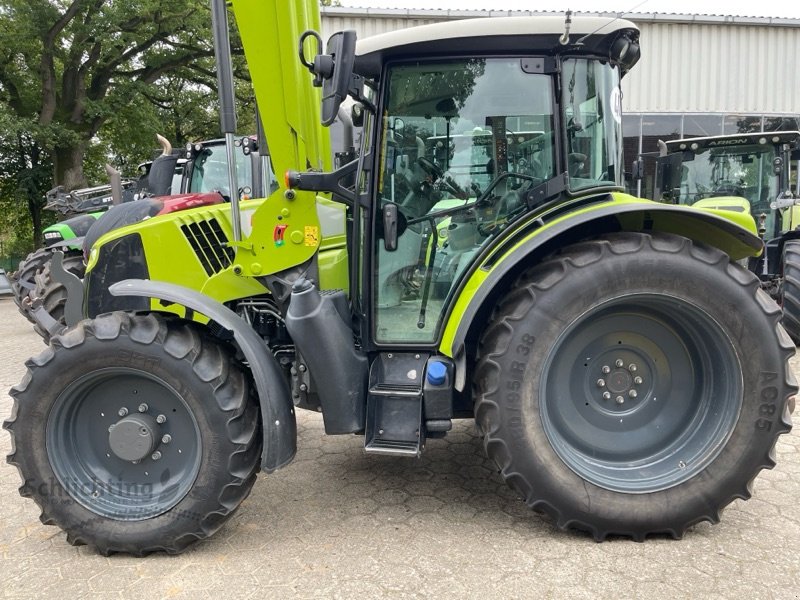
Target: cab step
x=395, y=410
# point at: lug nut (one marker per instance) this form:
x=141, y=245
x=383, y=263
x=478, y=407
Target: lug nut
x=143, y=407
x=122, y=411
x=637, y=380
x=632, y=394
x=156, y=455
x=601, y=383
x=632, y=368
x=606, y=369
x=620, y=400
x=619, y=362
x=166, y=439
x=161, y=419
x=606, y=395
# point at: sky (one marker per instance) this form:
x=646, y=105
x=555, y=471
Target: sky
x=747, y=8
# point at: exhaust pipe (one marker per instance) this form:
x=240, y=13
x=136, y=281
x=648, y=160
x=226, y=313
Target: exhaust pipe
x=116, y=184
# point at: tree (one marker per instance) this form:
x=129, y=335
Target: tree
x=24, y=173
x=71, y=66
x=83, y=80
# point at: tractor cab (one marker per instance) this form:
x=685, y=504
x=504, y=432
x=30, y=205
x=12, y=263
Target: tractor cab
x=207, y=168
x=470, y=128
x=748, y=172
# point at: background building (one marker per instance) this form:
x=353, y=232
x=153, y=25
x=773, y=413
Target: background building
x=699, y=74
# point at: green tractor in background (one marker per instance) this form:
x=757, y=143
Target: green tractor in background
x=747, y=173
x=627, y=375
x=196, y=176
x=81, y=209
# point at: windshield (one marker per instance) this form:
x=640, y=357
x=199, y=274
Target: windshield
x=592, y=103
x=210, y=170
x=740, y=171
x=462, y=140
x=743, y=171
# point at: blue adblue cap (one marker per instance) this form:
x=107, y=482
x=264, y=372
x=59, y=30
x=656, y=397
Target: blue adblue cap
x=437, y=372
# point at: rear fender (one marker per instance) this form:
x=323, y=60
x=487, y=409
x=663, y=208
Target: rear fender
x=733, y=233
x=277, y=412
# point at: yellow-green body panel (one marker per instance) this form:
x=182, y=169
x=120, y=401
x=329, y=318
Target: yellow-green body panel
x=637, y=220
x=290, y=105
x=290, y=114
x=791, y=218
x=170, y=257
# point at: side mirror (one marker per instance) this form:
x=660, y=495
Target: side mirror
x=332, y=71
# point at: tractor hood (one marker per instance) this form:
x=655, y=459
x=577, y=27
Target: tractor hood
x=288, y=103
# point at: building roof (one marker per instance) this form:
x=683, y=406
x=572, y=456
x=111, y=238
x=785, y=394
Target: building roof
x=643, y=17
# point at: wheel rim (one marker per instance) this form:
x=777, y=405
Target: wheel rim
x=98, y=467
x=639, y=393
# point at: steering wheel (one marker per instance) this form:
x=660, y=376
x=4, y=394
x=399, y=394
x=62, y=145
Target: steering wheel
x=436, y=174
x=728, y=188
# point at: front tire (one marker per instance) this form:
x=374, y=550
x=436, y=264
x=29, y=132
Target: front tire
x=134, y=434
x=634, y=384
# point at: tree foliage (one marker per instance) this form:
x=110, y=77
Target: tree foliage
x=85, y=80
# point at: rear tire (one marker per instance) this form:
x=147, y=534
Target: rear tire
x=52, y=293
x=187, y=443
x=790, y=294
x=634, y=384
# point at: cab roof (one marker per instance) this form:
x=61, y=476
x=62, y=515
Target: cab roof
x=515, y=35
x=738, y=139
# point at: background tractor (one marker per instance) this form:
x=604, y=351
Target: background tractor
x=627, y=376
x=199, y=179
x=83, y=209
x=749, y=174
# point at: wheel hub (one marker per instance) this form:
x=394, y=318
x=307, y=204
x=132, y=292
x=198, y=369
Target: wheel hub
x=620, y=381
x=134, y=437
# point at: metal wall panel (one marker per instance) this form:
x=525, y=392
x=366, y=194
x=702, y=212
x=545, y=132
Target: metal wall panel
x=715, y=68
x=689, y=63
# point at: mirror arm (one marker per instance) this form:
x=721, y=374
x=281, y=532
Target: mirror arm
x=314, y=181
x=356, y=91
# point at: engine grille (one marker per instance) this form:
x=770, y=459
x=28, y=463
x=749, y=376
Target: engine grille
x=210, y=244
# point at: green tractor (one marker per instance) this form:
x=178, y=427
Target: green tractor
x=627, y=375
x=80, y=208
x=748, y=173
x=200, y=179
x=83, y=208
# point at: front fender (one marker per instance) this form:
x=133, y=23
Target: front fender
x=733, y=233
x=277, y=413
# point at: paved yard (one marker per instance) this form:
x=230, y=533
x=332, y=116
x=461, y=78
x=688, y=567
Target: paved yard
x=337, y=523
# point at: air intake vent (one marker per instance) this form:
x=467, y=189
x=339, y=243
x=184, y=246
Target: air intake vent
x=210, y=244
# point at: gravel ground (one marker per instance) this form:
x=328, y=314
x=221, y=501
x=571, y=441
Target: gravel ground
x=337, y=523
